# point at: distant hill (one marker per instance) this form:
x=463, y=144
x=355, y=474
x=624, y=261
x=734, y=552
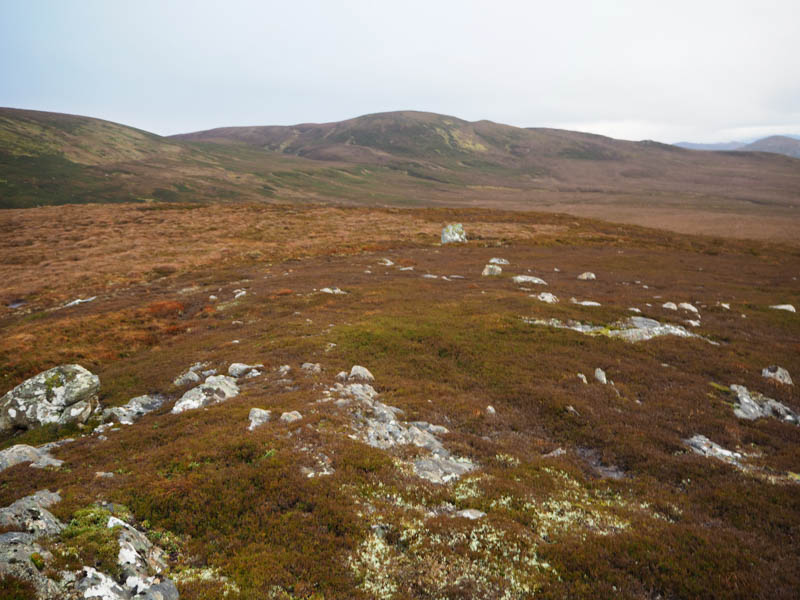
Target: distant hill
x=721, y=146
x=402, y=158
x=778, y=144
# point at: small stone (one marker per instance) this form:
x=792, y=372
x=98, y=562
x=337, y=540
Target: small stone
x=312, y=368
x=454, y=233
x=777, y=373
x=239, y=294
x=498, y=261
x=587, y=276
x=600, y=376
x=385, y=262
x=341, y=376
x=430, y=276
x=490, y=410
x=334, y=290
x=212, y=298
x=284, y=370
x=582, y=377
x=689, y=307
x=670, y=306
x=359, y=373
x=291, y=417
x=633, y=309
x=491, y=270
x=258, y=416
x=103, y=475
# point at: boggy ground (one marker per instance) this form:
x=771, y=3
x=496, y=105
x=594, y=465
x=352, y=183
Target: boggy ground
x=626, y=512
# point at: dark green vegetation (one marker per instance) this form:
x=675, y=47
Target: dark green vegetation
x=215, y=496
x=400, y=159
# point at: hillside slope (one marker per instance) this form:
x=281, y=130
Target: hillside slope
x=445, y=149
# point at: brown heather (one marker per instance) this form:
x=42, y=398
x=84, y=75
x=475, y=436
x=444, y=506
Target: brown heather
x=677, y=526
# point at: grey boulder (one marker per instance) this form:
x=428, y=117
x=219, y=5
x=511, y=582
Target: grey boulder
x=61, y=395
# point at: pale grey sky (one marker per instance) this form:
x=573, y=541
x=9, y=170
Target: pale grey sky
x=701, y=70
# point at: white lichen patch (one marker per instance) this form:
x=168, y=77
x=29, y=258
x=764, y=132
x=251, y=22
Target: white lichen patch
x=205, y=574
x=480, y=557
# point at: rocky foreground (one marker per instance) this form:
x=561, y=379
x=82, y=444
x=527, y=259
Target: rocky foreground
x=591, y=414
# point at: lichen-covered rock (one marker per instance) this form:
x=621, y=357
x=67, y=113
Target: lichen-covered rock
x=491, y=270
x=30, y=515
x=777, y=373
x=522, y=279
x=258, y=416
x=752, y=405
x=359, y=373
x=700, y=444
x=18, y=553
x=63, y=395
x=454, y=233
x=94, y=584
x=291, y=417
x=217, y=388
x=137, y=557
x=134, y=410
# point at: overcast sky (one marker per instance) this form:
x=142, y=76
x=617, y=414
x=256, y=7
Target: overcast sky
x=701, y=70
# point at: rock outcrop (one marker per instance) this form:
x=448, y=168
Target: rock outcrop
x=135, y=409
x=753, y=405
x=62, y=395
